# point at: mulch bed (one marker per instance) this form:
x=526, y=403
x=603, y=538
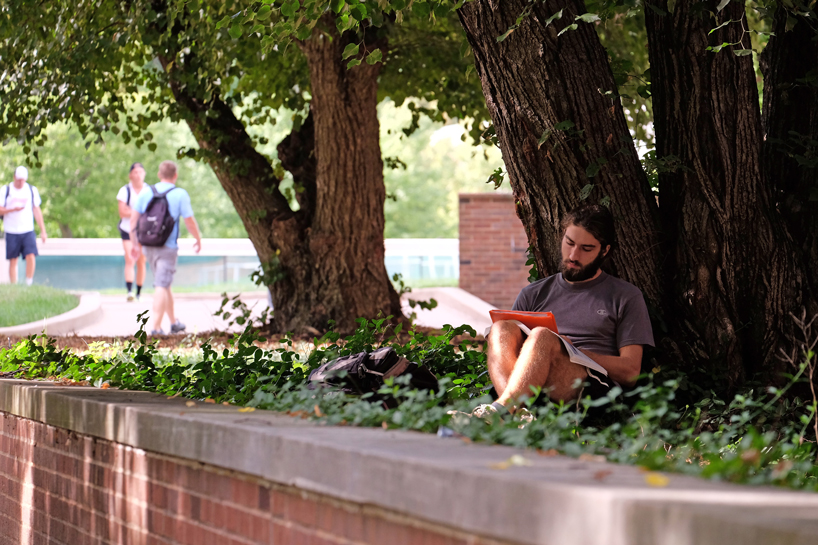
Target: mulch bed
x=217, y=338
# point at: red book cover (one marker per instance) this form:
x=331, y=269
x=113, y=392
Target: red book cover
x=528, y=319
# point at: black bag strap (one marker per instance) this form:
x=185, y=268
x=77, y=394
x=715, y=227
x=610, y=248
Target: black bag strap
x=128, y=198
x=6, y=202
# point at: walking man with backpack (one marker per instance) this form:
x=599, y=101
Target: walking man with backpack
x=154, y=231
x=21, y=206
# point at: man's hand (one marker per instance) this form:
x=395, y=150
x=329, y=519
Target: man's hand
x=43, y=236
x=197, y=246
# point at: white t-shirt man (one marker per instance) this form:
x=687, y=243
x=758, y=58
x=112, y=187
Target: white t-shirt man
x=21, y=221
x=125, y=223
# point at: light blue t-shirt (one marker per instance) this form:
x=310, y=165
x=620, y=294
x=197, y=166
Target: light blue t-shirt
x=178, y=205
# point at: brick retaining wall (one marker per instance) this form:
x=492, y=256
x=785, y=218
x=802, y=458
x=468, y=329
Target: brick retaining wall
x=493, y=248
x=60, y=487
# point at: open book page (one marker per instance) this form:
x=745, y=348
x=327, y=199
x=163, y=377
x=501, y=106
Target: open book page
x=574, y=353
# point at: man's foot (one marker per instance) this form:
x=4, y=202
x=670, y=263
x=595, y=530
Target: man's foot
x=130, y=296
x=156, y=333
x=177, y=327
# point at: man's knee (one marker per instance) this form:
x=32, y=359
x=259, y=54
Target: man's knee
x=546, y=341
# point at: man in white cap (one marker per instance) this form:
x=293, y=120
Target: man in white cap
x=20, y=207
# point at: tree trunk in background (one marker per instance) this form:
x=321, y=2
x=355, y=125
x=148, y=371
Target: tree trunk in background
x=789, y=64
x=534, y=80
x=344, y=247
x=325, y=261
x=731, y=260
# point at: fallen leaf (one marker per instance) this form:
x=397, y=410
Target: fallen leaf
x=247, y=409
x=384, y=425
x=318, y=412
x=225, y=403
x=601, y=474
x=656, y=479
x=210, y=400
x=585, y=457
x=105, y=386
x=549, y=452
x=190, y=403
x=515, y=460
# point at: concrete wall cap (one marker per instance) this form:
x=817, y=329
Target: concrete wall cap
x=555, y=499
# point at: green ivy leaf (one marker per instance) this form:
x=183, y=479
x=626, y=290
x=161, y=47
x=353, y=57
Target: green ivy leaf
x=337, y=5
x=588, y=17
x=553, y=18
x=722, y=5
x=505, y=34
x=288, y=9
x=422, y=10
x=374, y=57
x=742, y=52
x=235, y=31
x=353, y=62
x=350, y=50
x=585, y=192
x=224, y=20
x=572, y=26
x=564, y=125
x=264, y=13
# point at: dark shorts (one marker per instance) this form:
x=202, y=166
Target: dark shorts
x=21, y=245
x=124, y=234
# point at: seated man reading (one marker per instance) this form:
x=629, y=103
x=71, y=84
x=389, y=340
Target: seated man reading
x=604, y=317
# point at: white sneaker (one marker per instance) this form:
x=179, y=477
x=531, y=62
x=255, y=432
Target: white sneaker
x=130, y=297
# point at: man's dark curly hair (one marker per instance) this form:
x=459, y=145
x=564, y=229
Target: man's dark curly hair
x=597, y=220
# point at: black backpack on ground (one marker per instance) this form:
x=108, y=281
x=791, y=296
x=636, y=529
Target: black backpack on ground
x=155, y=225
x=365, y=372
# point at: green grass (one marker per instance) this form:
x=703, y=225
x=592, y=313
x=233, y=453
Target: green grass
x=229, y=287
x=23, y=304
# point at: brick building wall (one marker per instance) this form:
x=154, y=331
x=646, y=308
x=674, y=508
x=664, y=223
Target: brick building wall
x=493, y=248
x=59, y=487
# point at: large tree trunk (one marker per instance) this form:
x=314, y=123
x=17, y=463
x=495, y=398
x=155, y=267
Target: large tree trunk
x=534, y=80
x=789, y=117
x=324, y=262
x=731, y=261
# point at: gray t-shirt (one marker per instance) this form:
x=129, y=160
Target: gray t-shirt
x=601, y=315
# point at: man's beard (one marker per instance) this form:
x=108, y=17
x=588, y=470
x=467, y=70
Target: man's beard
x=583, y=273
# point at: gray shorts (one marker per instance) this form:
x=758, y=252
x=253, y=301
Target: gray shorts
x=163, y=264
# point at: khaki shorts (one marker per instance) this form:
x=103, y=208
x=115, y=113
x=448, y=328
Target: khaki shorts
x=163, y=264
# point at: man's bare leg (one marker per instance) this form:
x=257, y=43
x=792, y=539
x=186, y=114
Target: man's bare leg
x=13, y=271
x=31, y=264
x=160, y=298
x=544, y=362
x=169, y=306
x=504, y=344
x=140, y=270
x=127, y=245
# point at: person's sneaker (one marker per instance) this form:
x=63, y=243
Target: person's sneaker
x=130, y=296
x=490, y=411
x=177, y=327
x=156, y=333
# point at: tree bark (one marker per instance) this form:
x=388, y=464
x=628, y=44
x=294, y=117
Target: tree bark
x=731, y=261
x=789, y=116
x=534, y=80
x=345, y=238
x=324, y=262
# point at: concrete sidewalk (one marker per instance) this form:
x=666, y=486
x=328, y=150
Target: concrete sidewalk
x=195, y=310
